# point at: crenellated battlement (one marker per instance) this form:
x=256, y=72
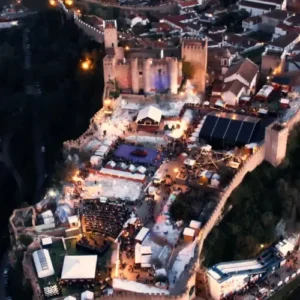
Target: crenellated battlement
x=194, y=43
x=110, y=24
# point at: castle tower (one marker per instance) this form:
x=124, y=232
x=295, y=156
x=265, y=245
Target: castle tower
x=110, y=34
x=134, y=75
x=276, y=138
x=173, y=73
x=195, y=52
x=146, y=73
x=109, y=68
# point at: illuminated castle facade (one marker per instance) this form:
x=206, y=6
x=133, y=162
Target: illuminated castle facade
x=152, y=70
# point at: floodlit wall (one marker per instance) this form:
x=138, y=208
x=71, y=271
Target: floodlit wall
x=251, y=163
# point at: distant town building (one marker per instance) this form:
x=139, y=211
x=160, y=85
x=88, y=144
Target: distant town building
x=259, y=7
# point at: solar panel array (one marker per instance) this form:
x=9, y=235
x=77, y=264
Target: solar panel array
x=43, y=261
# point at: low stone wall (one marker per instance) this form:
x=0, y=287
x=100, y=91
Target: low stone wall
x=30, y=274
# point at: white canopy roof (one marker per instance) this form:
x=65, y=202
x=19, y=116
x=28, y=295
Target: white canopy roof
x=284, y=101
x=73, y=219
x=136, y=287
x=149, y=112
x=70, y=298
x=161, y=272
x=111, y=163
x=47, y=241
x=87, y=295
x=122, y=174
x=79, y=267
x=195, y=224
x=141, y=169
x=137, y=253
x=43, y=263
x=48, y=217
x=142, y=234
x=189, y=231
x=189, y=162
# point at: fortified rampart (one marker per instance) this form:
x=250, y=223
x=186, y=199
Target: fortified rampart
x=96, y=34
x=170, y=7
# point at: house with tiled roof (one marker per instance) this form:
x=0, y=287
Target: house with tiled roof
x=285, y=42
x=283, y=29
x=238, y=41
x=252, y=23
x=240, y=79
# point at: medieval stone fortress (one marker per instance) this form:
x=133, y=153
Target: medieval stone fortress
x=186, y=116
x=150, y=71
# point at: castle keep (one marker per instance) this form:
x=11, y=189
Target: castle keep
x=140, y=70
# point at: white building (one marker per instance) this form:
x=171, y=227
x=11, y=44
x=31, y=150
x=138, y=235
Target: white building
x=252, y=23
x=138, y=20
x=240, y=79
x=230, y=277
x=43, y=263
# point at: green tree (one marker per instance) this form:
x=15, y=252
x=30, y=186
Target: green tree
x=25, y=240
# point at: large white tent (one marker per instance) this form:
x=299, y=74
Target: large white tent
x=79, y=267
x=43, y=263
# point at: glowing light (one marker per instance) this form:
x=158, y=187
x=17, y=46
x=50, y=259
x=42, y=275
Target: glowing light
x=69, y=2
x=175, y=170
x=52, y=2
x=86, y=65
x=127, y=48
x=159, y=40
x=52, y=193
x=262, y=245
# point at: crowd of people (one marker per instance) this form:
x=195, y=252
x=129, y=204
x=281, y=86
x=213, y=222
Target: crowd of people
x=106, y=219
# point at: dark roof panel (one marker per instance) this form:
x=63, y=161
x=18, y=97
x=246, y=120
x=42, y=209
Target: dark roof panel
x=208, y=126
x=233, y=130
x=246, y=133
x=221, y=128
